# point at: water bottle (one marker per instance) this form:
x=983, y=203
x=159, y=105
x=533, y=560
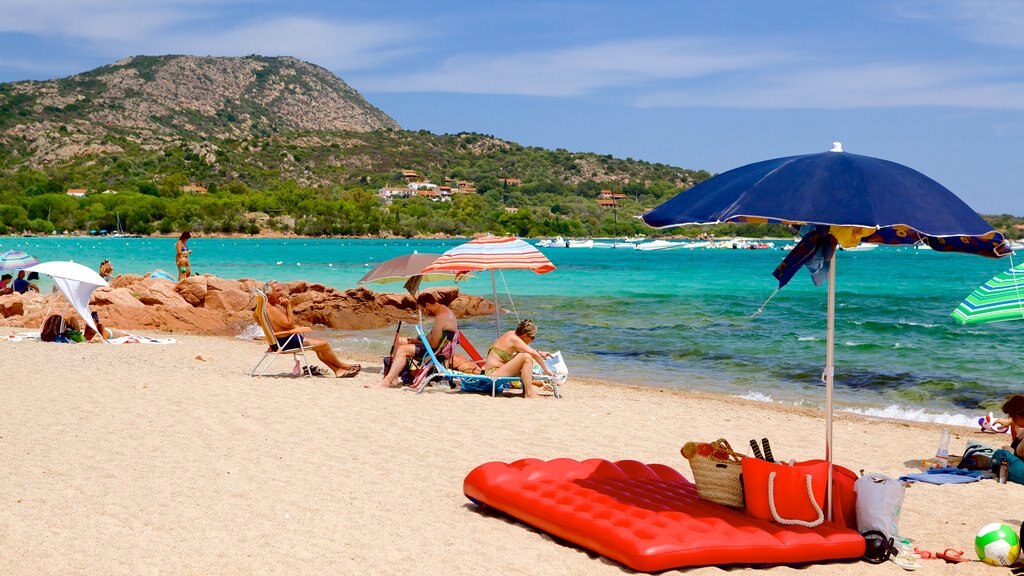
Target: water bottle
x=942, y=454
x=1004, y=472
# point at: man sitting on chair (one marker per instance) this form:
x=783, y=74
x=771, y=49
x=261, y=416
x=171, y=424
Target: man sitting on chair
x=281, y=319
x=443, y=332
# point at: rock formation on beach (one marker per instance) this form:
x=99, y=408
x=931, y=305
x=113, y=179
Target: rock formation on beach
x=217, y=306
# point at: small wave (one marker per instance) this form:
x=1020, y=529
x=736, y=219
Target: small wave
x=250, y=332
x=902, y=345
x=897, y=412
x=756, y=396
x=807, y=338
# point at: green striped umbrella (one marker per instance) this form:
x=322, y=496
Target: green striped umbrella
x=997, y=300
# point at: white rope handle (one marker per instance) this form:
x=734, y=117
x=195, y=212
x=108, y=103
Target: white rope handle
x=794, y=522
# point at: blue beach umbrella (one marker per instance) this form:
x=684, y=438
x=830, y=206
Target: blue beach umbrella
x=838, y=198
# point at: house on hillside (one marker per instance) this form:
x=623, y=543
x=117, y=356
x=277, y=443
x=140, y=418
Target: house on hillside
x=609, y=195
x=387, y=194
x=511, y=210
x=194, y=188
x=511, y=181
x=607, y=203
x=410, y=175
x=77, y=192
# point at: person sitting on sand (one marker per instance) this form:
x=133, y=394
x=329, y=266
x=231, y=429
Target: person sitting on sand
x=181, y=253
x=511, y=355
x=281, y=320
x=106, y=270
x=5, y=284
x=442, y=332
x=1014, y=410
x=21, y=285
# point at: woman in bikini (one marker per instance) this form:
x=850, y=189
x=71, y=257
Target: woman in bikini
x=181, y=253
x=511, y=355
x=1014, y=409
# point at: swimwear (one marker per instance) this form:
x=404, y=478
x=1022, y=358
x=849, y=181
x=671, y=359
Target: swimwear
x=286, y=343
x=504, y=356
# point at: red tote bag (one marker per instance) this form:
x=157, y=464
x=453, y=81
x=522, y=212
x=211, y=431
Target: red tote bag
x=790, y=495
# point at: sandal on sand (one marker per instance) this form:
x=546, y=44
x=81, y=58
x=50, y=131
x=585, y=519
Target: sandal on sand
x=351, y=371
x=314, y=371
x=926, y=555
x=953, y=556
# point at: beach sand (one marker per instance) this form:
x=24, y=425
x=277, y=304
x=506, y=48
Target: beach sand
x=147, y=459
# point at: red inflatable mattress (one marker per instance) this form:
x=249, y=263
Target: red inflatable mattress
x=647, y=517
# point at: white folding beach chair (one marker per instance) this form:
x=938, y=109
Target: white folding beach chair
x=292, y=343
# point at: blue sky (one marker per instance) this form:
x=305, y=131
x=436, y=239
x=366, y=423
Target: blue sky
x=934, y=84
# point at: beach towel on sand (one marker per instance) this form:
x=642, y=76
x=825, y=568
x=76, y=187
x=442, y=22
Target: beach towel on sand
x=948, y=475
x=133, y=339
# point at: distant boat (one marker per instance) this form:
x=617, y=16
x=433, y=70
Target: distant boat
x=862, y=248
x=580, y=243
x=664, y=245
x=120, y=233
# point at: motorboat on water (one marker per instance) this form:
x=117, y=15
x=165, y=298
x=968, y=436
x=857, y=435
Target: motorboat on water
x=559, y=242
x=862, y=248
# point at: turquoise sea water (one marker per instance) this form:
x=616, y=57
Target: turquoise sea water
x=682, y=318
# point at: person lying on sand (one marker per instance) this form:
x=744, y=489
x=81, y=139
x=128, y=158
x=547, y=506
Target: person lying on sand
x=281, y=319
x=443, y=332
x=511, y=355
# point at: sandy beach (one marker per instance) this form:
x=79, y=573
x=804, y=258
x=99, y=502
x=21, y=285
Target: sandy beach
x=149, y=459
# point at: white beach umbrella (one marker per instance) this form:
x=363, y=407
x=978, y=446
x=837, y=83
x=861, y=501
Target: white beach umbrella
x=76, y=282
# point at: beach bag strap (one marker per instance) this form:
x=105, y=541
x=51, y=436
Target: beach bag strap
x=794, y=521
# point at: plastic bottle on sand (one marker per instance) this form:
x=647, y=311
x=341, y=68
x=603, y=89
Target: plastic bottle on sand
x=942, y=454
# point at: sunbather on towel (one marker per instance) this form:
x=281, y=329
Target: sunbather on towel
x=102, y=332
x=443, y=331
x=281, y=319
x=511, y=355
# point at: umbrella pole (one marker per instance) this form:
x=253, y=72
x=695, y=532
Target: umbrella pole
x=829, y=376
x=497, y=309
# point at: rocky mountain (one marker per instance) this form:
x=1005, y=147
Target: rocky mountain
x=158, y=101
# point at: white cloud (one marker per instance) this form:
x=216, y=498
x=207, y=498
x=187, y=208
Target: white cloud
x=578, y=70
x=988, y=22
x=865, y=86
x=118, y=28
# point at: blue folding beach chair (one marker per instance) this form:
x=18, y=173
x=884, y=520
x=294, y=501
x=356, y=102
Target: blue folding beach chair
x=467, y=382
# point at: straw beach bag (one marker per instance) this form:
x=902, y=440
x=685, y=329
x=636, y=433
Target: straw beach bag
x=716, y=471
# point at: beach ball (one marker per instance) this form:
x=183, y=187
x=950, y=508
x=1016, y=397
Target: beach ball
x=997, y=544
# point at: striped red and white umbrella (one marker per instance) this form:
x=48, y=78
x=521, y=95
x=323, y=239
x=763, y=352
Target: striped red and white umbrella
x=493, y=253
x=16, y=260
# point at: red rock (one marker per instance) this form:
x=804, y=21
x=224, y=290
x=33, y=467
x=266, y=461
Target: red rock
x=231, y=300
x=11, y=305
x=192, y=289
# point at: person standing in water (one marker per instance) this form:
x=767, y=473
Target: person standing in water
x=181, y=254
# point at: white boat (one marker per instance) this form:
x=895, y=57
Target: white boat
x=588, y=243
x=1017, y=245
x=556, y=242
x=661, y=245
x=862, y=248
x=120, y=233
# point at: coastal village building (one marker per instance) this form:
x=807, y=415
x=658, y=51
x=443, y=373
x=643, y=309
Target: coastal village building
x=195, y=189
x=510, y=181
x=607, y=203
x=387, y=194
x=609, y=195
x=78, y=192
x=410, y=175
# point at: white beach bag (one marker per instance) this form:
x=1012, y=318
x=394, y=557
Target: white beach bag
x=557, y=365
x=879, y=502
